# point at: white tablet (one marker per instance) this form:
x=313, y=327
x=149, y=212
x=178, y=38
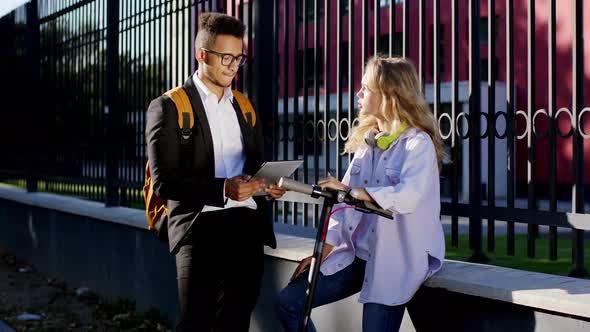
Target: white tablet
x=272, y=171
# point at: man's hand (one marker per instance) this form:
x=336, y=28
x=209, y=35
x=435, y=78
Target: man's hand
x=242, y=187
x=273, y=191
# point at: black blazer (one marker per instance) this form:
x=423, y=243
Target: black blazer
x=188, y=187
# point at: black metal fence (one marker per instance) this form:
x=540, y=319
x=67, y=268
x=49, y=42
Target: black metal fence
x=82, y=73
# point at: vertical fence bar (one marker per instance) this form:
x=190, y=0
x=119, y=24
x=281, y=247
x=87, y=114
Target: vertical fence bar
x=286, y=91
x=33, y=60
x=376, y=26
x=510, y=123
x=552, y=137
x=297, y=81
x=129, y=54
x=406, y=29
x=316, y=101
x=84, y=188
x=454, y=124
x=175, y=54
x=365, y=32
x=69, y=149
x=436, y=37
x=183, y=42
x=112, y=114
x=351, y=63
x=275, y=89
x=137, y=100
x=96, y=93
x=241, y=18
x=491, y=123
x=265, y=54
x=474, y=134
x=304, y=127
x=422, y=42
x=338, y=87
x=193, y=21
x=578, y=146
x=326, y=85
x=392, y=28
x=532, y=229
x=250, y=67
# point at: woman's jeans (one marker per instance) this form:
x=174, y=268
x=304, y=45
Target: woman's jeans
x=376, y=317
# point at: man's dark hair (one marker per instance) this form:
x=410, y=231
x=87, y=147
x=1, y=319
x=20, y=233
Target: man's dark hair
x=213, y=24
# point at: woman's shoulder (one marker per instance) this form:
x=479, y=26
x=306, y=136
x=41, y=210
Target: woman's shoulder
x=418, y=139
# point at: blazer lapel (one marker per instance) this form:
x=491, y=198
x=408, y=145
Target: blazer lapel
x=201, y=120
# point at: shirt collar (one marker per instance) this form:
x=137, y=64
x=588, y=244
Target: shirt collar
x=205, y=92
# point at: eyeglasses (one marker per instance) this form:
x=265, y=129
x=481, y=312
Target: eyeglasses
x=228, y=59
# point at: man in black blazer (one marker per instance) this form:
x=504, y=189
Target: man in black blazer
x=216, y=228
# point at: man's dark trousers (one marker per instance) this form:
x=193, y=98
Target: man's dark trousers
x=219, y=270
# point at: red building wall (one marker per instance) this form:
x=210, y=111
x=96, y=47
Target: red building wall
x=563, y=85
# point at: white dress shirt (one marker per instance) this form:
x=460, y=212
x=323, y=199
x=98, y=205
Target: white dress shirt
x=401, y=253
x=228, y=143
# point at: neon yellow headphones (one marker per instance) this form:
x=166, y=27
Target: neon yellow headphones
x=383, y=140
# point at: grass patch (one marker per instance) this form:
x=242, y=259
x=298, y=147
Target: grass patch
x=541, y=263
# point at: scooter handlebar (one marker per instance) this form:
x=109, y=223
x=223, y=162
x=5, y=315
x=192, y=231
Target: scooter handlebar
x=315, y=191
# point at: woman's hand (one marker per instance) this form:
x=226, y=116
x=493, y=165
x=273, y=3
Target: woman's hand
x=306, y=262
x=332, y=183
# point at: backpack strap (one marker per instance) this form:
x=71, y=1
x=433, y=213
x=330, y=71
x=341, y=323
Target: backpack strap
x=186, y=119
x=246, y=107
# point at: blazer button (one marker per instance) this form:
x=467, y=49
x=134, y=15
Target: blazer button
x=377, y=181
x=366, y=181
x=384, y=158
x=350, y=228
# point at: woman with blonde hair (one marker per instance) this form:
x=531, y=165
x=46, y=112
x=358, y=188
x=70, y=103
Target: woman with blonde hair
x=397, y=157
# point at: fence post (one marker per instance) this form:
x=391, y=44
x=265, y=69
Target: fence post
x=475, y=226
x=33, y=141
x=112, y=111
x=265, y=78
x=578, y=143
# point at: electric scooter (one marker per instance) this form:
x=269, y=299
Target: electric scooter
x=330, y=198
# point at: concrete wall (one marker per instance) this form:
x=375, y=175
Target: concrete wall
x=111, y=259
x=118, y=260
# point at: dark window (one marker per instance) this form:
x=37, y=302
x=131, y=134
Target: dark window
x=344, y=64
x=310, y=70
x=383, y=47
x=483, y=30
x=484, y=70
x=441, y=49
x=344, y=7
x=310, y=12
x=385, y=3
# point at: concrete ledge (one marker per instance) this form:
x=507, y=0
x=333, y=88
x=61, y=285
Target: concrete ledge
x=558, y=294
x=76, y=206
x=554, y=293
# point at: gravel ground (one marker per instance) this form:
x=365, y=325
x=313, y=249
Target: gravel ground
x=52, y=305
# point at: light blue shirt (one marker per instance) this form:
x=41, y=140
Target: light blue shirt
x=404, y=252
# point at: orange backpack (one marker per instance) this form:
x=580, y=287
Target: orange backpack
x=155, y=207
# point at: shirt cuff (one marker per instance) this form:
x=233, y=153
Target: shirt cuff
x=382, y=196
x=225, y=199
